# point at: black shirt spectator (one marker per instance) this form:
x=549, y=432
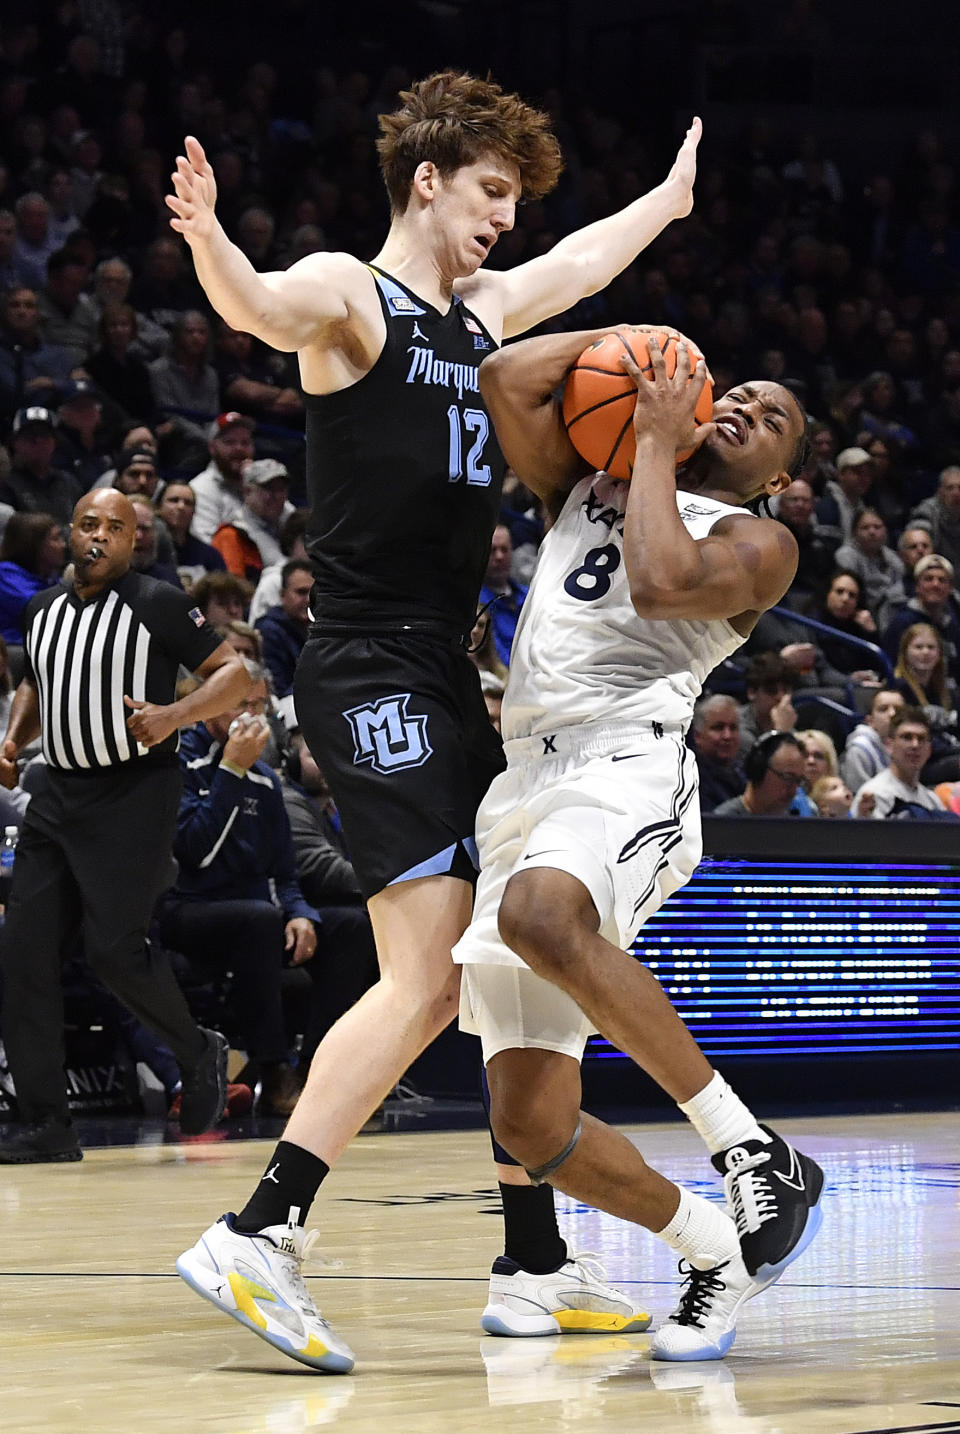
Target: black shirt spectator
x=119, y=372
x=715, y=739
x=796, y=510
x=33, y=484
x=193, y=558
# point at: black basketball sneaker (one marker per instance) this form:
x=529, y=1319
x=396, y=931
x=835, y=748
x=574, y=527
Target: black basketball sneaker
x=774, y=1195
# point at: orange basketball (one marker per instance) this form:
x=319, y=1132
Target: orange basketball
x=599, y=399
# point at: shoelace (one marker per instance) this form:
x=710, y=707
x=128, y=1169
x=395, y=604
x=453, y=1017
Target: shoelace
x=293, y=1274
x=751, y=1195
x=588, y=1263
x=700, y=1288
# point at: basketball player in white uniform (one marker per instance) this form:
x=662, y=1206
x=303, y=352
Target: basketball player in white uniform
x=640, y=591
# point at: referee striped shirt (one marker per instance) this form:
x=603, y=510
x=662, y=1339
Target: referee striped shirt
x=84, y=657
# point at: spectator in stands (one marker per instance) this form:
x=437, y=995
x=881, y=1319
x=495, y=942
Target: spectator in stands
x=819, y=755
x=33, y=485
x=770, y=683
x=165, y=290
x=284, y=627
x=796, y=510
x=145, y=548
x=898, y=790
x=136, y=473
x=244, y=638
x=774, y=770
x=111, y=286
x=28, y=366
x=933, y=602
x=843, y=500
x=233, y=841
x=915, y=543
x=218, y=488
x=481, y=651
x=221, y=598
x=877, y=566
x=32, y=555
x=9, y=272
x=68, y=316
x=185, y=386
x=346, y=954
x=882, y=414
x=715, y=739
x=865, y=753
x=35, y=240
x=921, y=676
x=116, y=369
x=175, y=507
x=501, y=594
x=292, y=545
x=250, y=382
x=941, y=514
x=250, y=542
x=842, y=608
x=81, y=444
x=832, y=797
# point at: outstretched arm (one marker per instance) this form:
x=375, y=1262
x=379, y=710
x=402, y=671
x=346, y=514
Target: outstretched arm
x=742, y=568
x=287, y=310
x=519, y=384
x=586, y=261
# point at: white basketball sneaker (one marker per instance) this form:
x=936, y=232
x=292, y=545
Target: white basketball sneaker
x=572, y=1300
x=703, y=1326
x=257, y=1280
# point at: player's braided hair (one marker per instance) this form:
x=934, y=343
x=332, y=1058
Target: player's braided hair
x=453, y=119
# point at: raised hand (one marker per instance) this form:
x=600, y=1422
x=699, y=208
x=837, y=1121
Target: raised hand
x=246, y=740
x=667, y=404
x=684, y=171
x=195, y=194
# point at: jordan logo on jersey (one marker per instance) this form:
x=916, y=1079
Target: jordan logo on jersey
x=387, y=737
x=418, y=334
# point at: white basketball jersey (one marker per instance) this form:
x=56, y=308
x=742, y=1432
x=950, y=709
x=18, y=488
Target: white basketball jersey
x=581, y=651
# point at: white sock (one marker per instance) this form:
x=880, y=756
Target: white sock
x=702, y=1233
x=721, y=1118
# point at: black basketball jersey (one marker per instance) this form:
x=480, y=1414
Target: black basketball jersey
x=404, y=474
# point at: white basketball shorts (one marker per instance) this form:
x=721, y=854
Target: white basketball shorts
x=613, y=806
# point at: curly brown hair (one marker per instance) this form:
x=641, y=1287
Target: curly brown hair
x=453, y=119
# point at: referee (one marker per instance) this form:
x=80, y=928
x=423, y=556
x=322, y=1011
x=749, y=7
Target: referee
x=102, y=656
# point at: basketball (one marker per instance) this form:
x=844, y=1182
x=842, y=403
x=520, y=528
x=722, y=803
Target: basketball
x=599, y=399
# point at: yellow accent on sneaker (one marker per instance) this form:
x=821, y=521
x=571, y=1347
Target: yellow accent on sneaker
x=601, y=1322
x=246, y=1293
x=315, y=1348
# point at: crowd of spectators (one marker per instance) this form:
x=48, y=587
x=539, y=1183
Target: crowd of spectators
x=841, y=282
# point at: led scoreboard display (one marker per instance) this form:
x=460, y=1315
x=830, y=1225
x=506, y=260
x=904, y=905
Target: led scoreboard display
x=787, y=956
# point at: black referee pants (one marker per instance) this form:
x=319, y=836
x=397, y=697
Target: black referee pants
x=94, y=850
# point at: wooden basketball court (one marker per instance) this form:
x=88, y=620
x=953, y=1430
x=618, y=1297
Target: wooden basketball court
x=100, y=1335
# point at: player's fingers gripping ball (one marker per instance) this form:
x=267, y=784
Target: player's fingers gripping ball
x=600, y=397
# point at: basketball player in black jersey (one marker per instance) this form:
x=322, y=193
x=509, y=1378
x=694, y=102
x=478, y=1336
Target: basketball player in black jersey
x=404, y=476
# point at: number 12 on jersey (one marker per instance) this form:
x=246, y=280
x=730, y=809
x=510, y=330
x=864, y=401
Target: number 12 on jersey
x=475, y=421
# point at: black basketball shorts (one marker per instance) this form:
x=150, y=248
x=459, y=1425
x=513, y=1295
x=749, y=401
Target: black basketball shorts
x=399, y=727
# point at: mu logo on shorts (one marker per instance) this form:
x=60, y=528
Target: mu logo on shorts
x=386, y=737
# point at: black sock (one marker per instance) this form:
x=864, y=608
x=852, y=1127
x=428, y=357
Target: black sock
x=531, y=1235
x=292, y=1178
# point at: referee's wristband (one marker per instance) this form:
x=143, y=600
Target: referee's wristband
x=232, y=767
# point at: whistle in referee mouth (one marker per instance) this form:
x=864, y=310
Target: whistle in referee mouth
x=94, y=555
